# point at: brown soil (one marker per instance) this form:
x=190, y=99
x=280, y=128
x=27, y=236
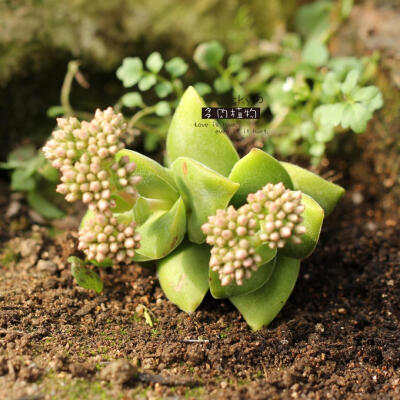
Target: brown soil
x=337, y=337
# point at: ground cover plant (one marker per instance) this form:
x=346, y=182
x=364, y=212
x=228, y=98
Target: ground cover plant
x=260, y=216
x=306, y=96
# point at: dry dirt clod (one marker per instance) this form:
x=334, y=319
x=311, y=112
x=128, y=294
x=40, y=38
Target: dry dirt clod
x=46, y=266
x=28, y=247
x=119, y=372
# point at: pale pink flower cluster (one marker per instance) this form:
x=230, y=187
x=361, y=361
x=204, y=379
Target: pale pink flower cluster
x=103, y=237
x=271, y=216
x=233, y=256
x=84, y=152
x=279, y=211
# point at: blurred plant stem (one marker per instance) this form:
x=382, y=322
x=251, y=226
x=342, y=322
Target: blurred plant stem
x=72, y=73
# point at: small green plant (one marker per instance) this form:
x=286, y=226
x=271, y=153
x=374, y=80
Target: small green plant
x=33, y=175
x=306, y=96
x=164, y=78
x=213, y=221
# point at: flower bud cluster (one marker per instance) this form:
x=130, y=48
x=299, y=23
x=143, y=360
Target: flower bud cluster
x=271, y=215
x=84, y=153
x=279, y=212
x=104, y=237
x=233, y=255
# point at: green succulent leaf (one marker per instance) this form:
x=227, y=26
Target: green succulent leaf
x=43, y=206
x=130, y=71
x=133, y=99
x=191, y=136
x=262, y=306
x=22, y=180
x=176, y=67
x=327, y=194
x=163, y=89
x=183, y=275
x=203, y=190
x=154, y=62
x=162, y=232
x=85, y=277
x=256, y=280
x=254, y=171
x=147, y=82
x=313, y=216
x=156, y=182
x=48, y=172
x=208, y=55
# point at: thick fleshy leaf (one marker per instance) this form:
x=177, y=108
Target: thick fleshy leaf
x=162, y=232
x=156, y=182
x=183, y=275
x=203, y=190
x=257, y=279
x=43, y=206
x=255, y=170
x=191, y=136
x=313, y=215
x=262, y=306
x=327, y=194
x=85, y=277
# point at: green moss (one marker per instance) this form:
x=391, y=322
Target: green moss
x=67, y=388
x=7, y=257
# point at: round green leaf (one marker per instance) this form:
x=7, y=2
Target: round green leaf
x=130, y=71
x=183, y=276
x=147, y=82
x=208, y=55
x=222, y=84
x=154, y=62
x=203, y=190
x=235, y=62
x=163, y=109
x=191, y=136
x=133, y=99
x=262, y=306
x=254, y=171
x=257, y=279
x=202, y=88
x=176, y=67
x=327, y=194
x=163, y=89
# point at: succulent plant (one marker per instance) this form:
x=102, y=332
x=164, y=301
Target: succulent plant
x=213, y=221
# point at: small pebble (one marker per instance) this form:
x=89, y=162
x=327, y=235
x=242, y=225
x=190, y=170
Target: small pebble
x=46, y=266
x=119, y=371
